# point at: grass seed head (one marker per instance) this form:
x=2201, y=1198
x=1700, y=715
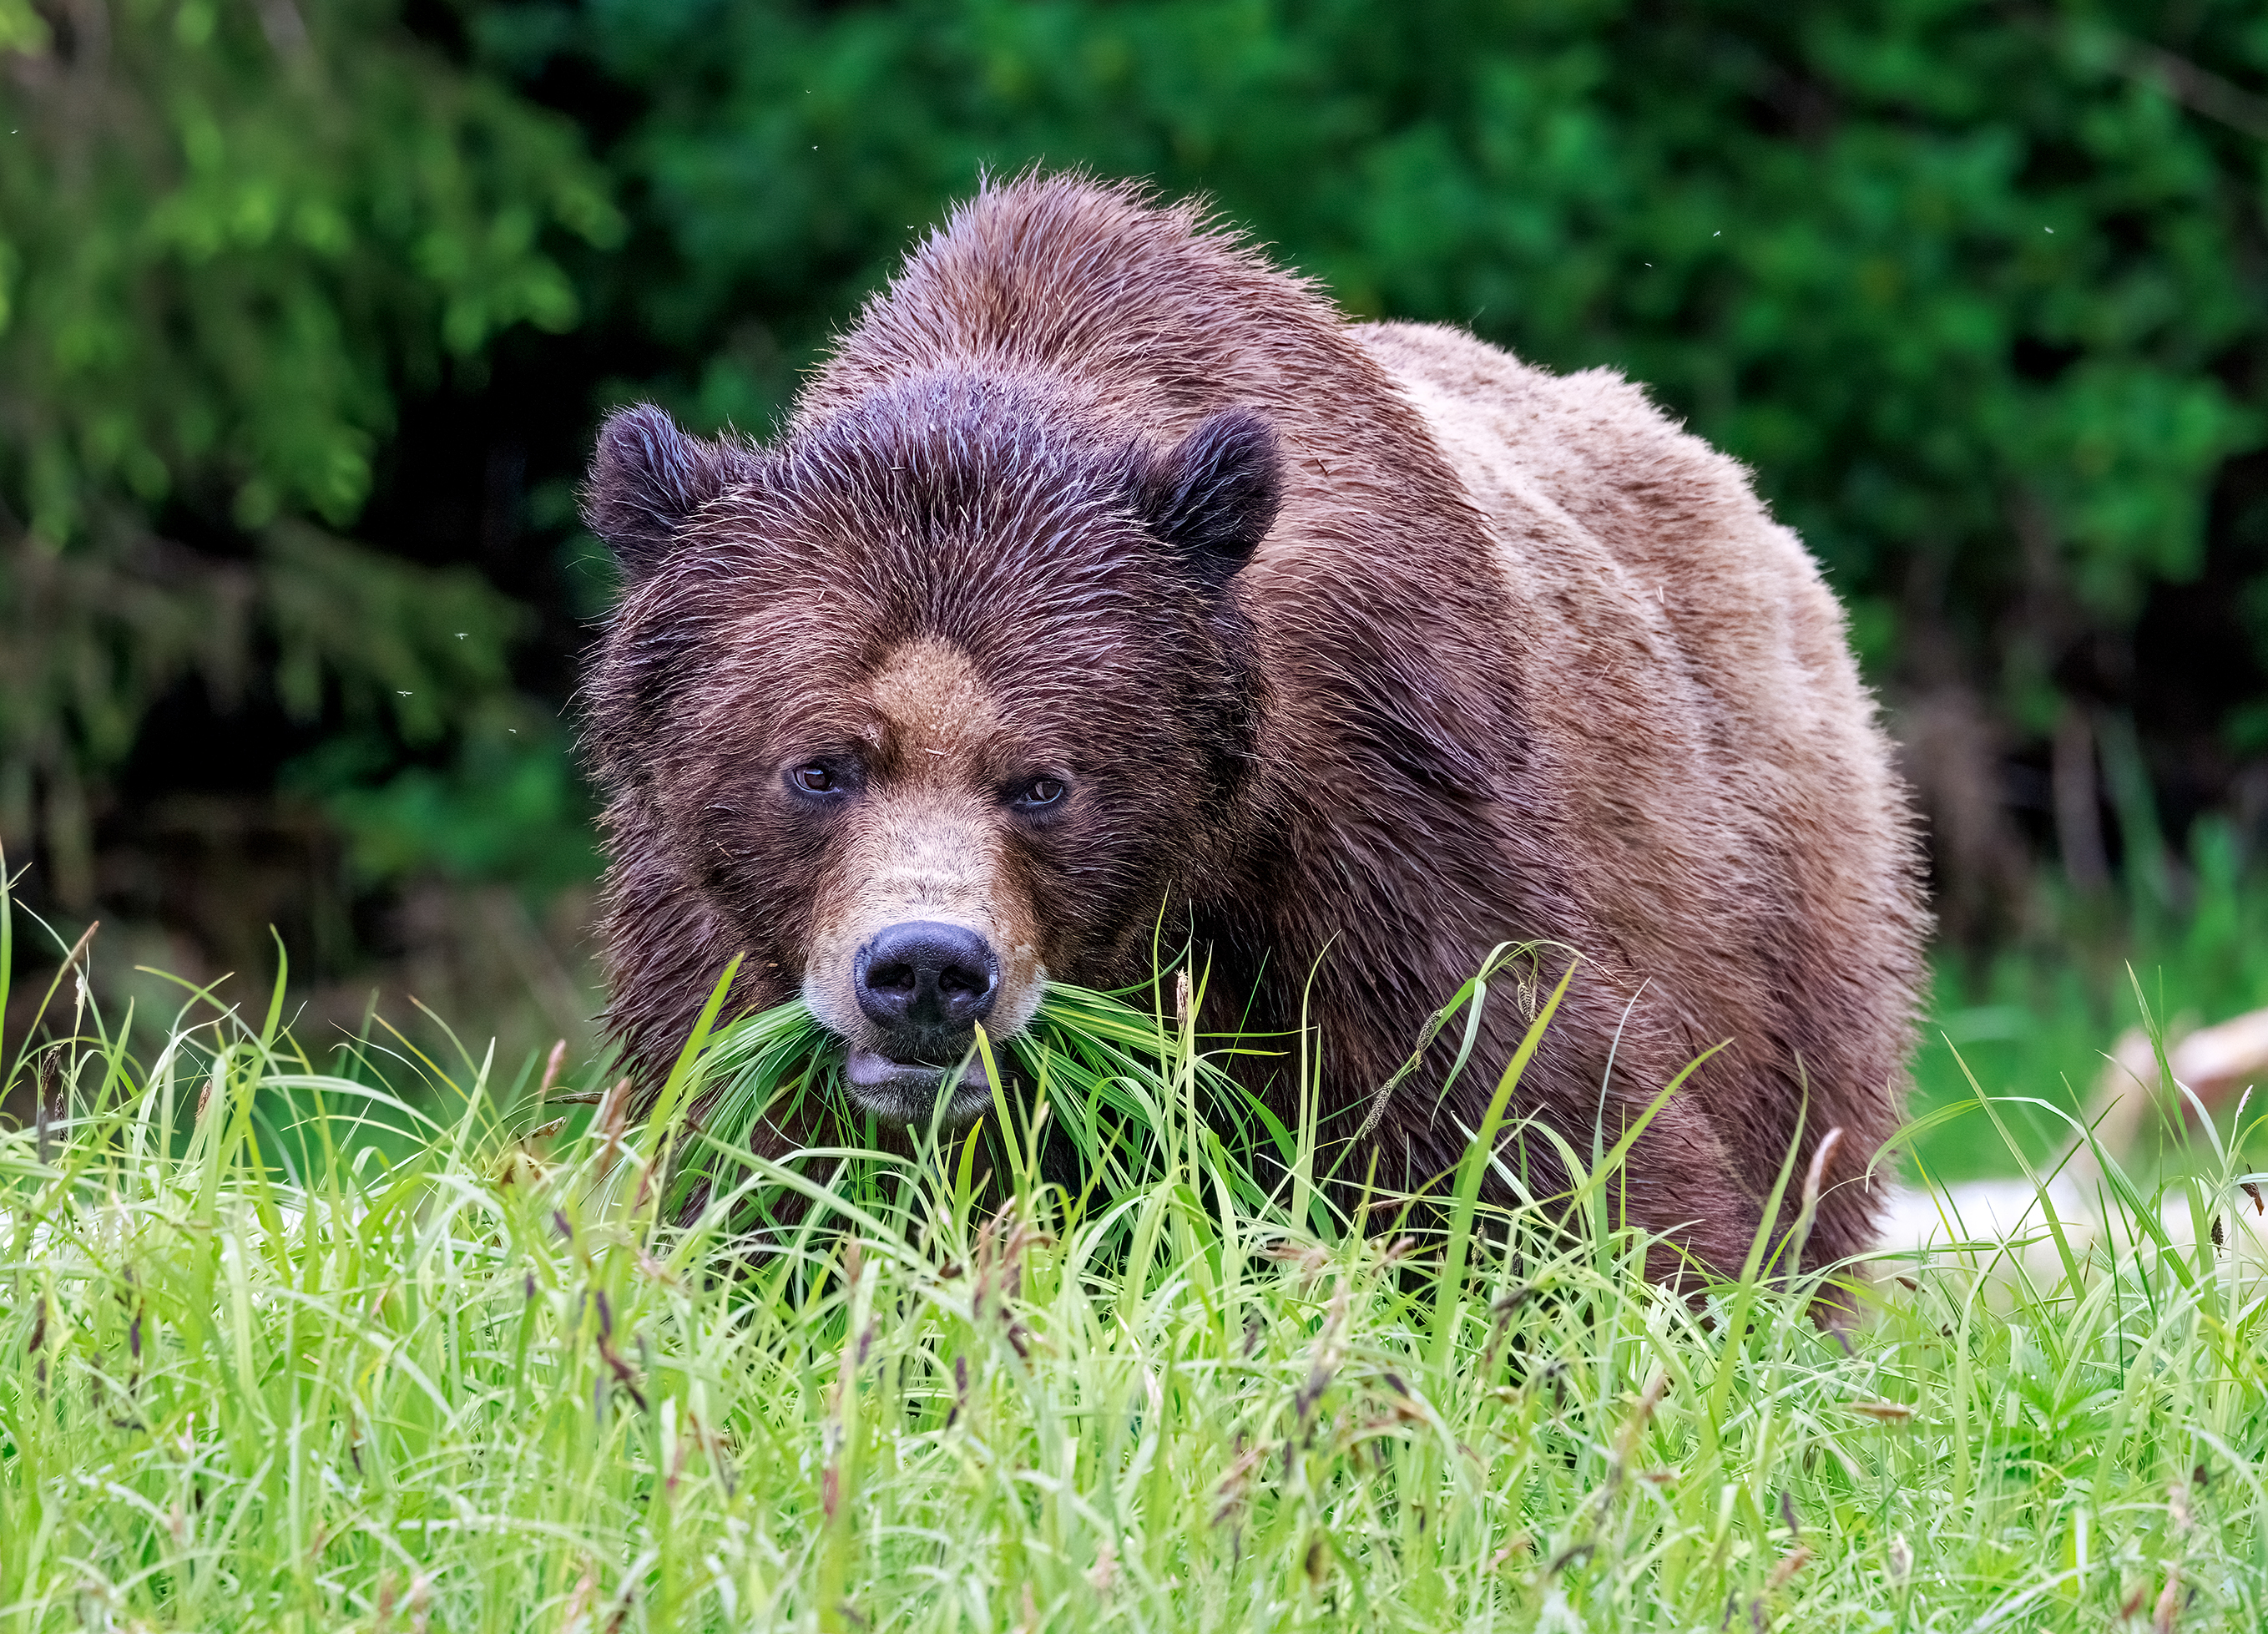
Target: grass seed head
x=1788, y=1565
x=2170, y=1605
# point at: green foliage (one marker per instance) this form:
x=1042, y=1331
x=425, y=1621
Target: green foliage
x=1981, y=294
x=1981, y=297
x=231, y=231
x=229, y=236
x=256, y=1372
x=507, y=805
x=89, y=636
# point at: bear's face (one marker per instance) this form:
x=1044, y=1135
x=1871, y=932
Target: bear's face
x=934, y=703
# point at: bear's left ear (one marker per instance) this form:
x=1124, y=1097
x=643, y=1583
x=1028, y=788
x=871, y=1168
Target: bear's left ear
x=1214, y=497
x=647, y=476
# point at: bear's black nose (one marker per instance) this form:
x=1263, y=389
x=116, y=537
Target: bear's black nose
x=924, y=979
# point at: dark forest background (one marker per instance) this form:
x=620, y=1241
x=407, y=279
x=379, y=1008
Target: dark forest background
x=309, y=311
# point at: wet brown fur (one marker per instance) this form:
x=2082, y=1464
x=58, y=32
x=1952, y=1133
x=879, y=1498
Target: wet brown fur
x=1518, y=660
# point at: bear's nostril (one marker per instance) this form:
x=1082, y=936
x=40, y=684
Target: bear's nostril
x=897, y=977
x=924, y=980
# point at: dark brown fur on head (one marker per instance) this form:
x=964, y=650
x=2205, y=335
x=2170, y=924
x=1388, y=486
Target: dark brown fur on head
x=1358, y=651
x=937, y=595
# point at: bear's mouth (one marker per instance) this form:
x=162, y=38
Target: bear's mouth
x=906, y=1091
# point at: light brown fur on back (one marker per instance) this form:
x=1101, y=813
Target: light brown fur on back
x=1741, y=814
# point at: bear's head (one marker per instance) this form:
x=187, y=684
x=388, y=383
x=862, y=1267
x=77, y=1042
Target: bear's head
x=944, y=695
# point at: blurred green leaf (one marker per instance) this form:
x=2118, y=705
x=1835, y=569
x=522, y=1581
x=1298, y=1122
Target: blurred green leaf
x=507, y=808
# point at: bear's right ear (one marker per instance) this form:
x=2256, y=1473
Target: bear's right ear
x=1214, y=497
x=647, y=476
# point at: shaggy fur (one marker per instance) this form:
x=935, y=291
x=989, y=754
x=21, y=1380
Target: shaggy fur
x=1364, y=649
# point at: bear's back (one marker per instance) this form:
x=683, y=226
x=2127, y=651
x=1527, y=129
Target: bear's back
x=1619, y=533
x=1673, y=515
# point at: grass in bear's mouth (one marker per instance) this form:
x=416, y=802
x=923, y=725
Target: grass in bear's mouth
x=1110, y=1078
x=264, y=1365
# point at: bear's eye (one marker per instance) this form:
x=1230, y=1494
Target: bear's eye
x=1038, y=793
x=815, y=776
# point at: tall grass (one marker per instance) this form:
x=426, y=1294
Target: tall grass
x=287, y=1345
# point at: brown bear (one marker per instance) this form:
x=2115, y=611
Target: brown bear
x=1105, y=573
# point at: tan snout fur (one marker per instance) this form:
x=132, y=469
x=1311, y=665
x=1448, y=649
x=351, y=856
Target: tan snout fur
x=924, y=841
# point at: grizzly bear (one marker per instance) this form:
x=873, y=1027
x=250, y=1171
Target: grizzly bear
x=1107, y=578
